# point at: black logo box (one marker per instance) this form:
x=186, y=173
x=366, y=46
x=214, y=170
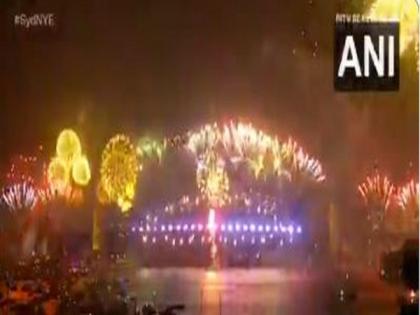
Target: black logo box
x=350, y=82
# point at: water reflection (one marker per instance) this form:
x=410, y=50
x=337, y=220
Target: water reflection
x=243, y=291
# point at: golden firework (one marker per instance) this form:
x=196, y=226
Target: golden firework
x=69, y=168
x=212, y=179
x=81, y=170
x=58, y=175
x=150, y=148
x=119, y=171
x=68, y=145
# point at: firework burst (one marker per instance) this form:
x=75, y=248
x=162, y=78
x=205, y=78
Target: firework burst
x=377, y=191
x=20, y=196
x=26, y=168
x=297, y=163
x=212, y=179
x=119, y=171
x=148, y=148
x=68, y=170
x=264, y=154
x=408, y=196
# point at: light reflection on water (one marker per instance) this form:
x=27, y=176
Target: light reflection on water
x=237, y=291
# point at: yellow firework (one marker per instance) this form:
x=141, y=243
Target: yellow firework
x=119, y=171
x=58, y=175
x=69, y=168
x=81, y=171
x=265, y=155
x=68, y=145
x=241, y=142
x=150, y=148
x=404, y=11
x=212, y=179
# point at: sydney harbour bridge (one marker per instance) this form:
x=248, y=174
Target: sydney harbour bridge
x=246, y=198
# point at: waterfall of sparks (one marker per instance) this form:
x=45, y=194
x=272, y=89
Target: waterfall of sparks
x=211, y=226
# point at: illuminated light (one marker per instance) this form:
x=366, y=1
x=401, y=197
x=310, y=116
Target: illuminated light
x=166, y=238
x=237, y=227
x=202, y=239
x=262, y=240
x=291, y=229
x=81, y=171
x=185, y=227
x=144, y=239
x=181, y=241
x=192, y=227
x=133, y=229
x=299, y=230
x=230, y=228
x=281, y=243
x=253, y=240
x=170, y=227
x=173, y=242
x=68, y=145
x=211, y=275
x=267, y=228
x=154, y=229
x=252, y=227
x=245, y=227
x=178, y=227
x=234, y=242
x=140, y=229
x=225, y=240
x=211, y=221
x=271, y=236
x=200, y=227
x=276, y=229
x=283, y=229
x=162, y=228
x=260, y=228
x=154, y=240
x=243, y=238
x=148, y=228
x=223, y=227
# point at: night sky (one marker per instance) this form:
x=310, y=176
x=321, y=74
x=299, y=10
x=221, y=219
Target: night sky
x=167, y=66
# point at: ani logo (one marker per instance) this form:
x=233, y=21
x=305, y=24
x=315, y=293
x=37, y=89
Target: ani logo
x=366, y=55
